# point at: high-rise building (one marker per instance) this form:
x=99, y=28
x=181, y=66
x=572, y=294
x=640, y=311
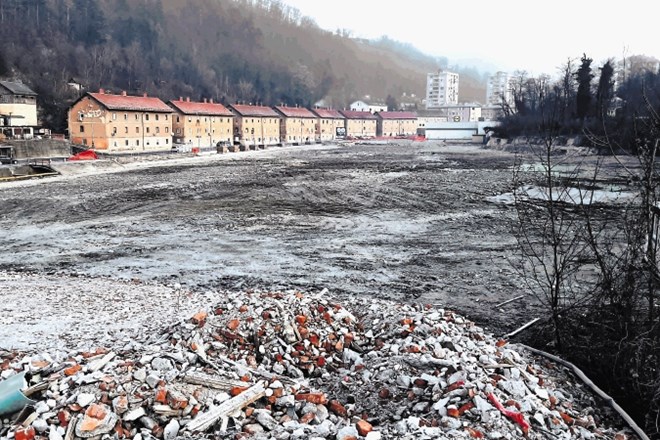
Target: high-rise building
x=441, y=89
x=499, y=89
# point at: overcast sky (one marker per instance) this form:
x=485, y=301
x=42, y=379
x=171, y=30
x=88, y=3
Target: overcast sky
x=507, y=34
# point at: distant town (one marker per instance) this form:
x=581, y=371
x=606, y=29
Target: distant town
x=109, y=121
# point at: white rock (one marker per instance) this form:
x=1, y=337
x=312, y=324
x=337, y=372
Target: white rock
x=374, y=435
x=54, y=434
x=171, y=430
x=347, y=432
x=40, y=425
x=542, y=393
x=84, y=399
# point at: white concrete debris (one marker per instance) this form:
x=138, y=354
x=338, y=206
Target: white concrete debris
x=288, y=365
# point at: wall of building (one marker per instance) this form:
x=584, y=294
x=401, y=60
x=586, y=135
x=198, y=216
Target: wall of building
x=361, y=127
x=21, y=114
x=200, y=130
x=93, y=125
x=251, y=131
x=327, y=128
x=397, y=127
x=298, y=130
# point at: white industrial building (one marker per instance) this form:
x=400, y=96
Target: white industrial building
x=441, y=89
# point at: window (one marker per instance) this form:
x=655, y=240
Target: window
x=125, y=116
x=137, y=130
x=147, y=130
x=178, y=131
x=156, y=116
x=137, y=143
x=115, y=143
x=137, y=117
x=167, y=129
x=166, y=116
x=126, y=130
x=114, y=131
x=157, y=129
x=82, y=128
x=126, y=142
x=189, y=119
x=146, y=116
x=114, y=116
x=167, y=141
x=177, y=119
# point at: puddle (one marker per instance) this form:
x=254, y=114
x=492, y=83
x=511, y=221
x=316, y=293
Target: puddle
x=571, y=195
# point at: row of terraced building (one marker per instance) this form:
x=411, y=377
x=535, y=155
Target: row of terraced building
x=121, y=122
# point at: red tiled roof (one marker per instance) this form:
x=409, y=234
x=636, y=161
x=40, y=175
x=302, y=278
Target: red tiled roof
x=254, y=110
x=131, y=103
x=327, y=113
x=201, y=108
x=295, y=112
x=397, y=115
x=350, y=114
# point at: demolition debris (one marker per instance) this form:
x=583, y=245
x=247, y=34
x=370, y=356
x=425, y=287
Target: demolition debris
x=293, y=365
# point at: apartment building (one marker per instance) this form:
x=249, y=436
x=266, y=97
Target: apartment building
x=255, y=126
x=105, y=121
x=18, y=110
x=360, y=124
x=201, y=124
x=499, y=89
x=391, y=124
x=441, y=89
x=297, y=125
x=330, y=125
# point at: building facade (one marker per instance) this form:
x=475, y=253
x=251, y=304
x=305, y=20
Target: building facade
x=330, y=125
x=499, y=89
x=441, y=89
x=372, y=107
x=201, y=124
x=104, y=121
x=255, y=126
x=297, y=125
x=391, y=124
x=360, y=124
x=18, y=110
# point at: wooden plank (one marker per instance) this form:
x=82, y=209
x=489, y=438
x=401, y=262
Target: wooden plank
x=204, y=421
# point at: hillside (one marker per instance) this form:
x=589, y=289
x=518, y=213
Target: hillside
x=248, y=50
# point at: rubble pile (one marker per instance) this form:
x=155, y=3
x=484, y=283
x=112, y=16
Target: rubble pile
x=288, y=365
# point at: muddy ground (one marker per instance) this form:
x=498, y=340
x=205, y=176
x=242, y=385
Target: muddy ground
x=412, y=222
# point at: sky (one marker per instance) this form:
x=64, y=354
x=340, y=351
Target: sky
x=508, y=35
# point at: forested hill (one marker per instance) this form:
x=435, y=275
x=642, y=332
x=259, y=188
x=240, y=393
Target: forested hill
x=229, y=50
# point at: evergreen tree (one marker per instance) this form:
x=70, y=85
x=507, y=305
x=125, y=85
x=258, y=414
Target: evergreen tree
x=605, y=89
x=584, y=77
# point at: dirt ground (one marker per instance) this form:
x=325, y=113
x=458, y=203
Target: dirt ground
x=412, y=222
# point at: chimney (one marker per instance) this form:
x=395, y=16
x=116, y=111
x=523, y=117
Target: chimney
x=180, y=98
x=144, y=95
x=101, y=92
x=123, y=93
x=187, y=98
x=211, y=100
x=206, y=101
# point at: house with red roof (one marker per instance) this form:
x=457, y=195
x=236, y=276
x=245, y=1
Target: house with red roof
x=255, y=126
x=360, y=124
x=330, y=124
x=105, y=121
x=201, y=124
x=297, y=125
x=392, y=124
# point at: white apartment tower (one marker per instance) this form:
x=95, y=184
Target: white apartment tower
x=498, y=88
x=441, y=89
